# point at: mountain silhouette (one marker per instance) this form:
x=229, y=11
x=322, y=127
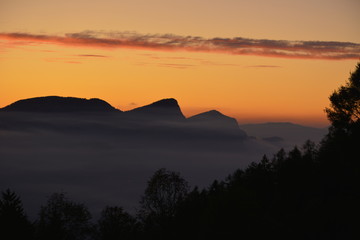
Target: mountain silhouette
x=148, y=119
x=216, y=121
x=60, y=104
x=290, y=133
x=165, y=109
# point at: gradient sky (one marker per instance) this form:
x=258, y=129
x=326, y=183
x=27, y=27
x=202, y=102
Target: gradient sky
x=255, y=60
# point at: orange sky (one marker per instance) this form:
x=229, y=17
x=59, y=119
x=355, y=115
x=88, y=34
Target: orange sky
x=254, y=60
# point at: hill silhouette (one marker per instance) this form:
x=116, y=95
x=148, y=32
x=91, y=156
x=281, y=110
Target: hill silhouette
x=284, y=133
x=211, y=124
x=165, y=109
x=216, y=121
x=60, y=104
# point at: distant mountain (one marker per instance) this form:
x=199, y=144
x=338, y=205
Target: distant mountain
x=165, y=109
x=211, y=124
x=215, y=120
x=60, y=104
x=162, y=120
x=284, y=132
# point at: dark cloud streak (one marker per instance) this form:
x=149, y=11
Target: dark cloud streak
x=328, y=50
x=264, y=66
x=92, y=55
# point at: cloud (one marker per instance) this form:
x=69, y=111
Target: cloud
x=62, y=59
x=175, y=65
x=212, y=63
x=91, y=55
x=168, y=65
x=182, y=60
x=264, y=66
x=73, y=58
x=328, y=50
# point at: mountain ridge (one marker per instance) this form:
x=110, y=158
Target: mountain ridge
x=53, y=104
x=215, y=119
x=164, y=109
x=294, y=134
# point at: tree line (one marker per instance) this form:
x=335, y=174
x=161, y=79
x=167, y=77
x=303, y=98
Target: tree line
x=309, y=192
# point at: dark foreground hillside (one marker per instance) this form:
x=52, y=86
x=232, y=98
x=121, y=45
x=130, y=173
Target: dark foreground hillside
x=300, y=194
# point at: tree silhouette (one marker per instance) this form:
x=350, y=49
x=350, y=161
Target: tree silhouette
x=339, y=161
x=115, y=223
x=163, y=195
x=13, y=221
x=344, y=110
x=62, y=219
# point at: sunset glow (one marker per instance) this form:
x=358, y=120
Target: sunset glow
x=253, y=60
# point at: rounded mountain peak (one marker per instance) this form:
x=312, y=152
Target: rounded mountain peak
x=60, y=104
x=211, y=115
x=216, y=121
x=167, y=102
x=165, y=109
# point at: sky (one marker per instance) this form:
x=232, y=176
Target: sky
x=257, y=61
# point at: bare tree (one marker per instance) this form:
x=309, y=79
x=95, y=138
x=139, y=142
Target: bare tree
x=62, y=219
x=164, y=193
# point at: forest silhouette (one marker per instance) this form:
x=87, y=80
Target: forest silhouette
x=309, y=192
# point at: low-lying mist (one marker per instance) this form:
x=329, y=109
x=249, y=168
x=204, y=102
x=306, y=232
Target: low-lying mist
x=107, y=159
